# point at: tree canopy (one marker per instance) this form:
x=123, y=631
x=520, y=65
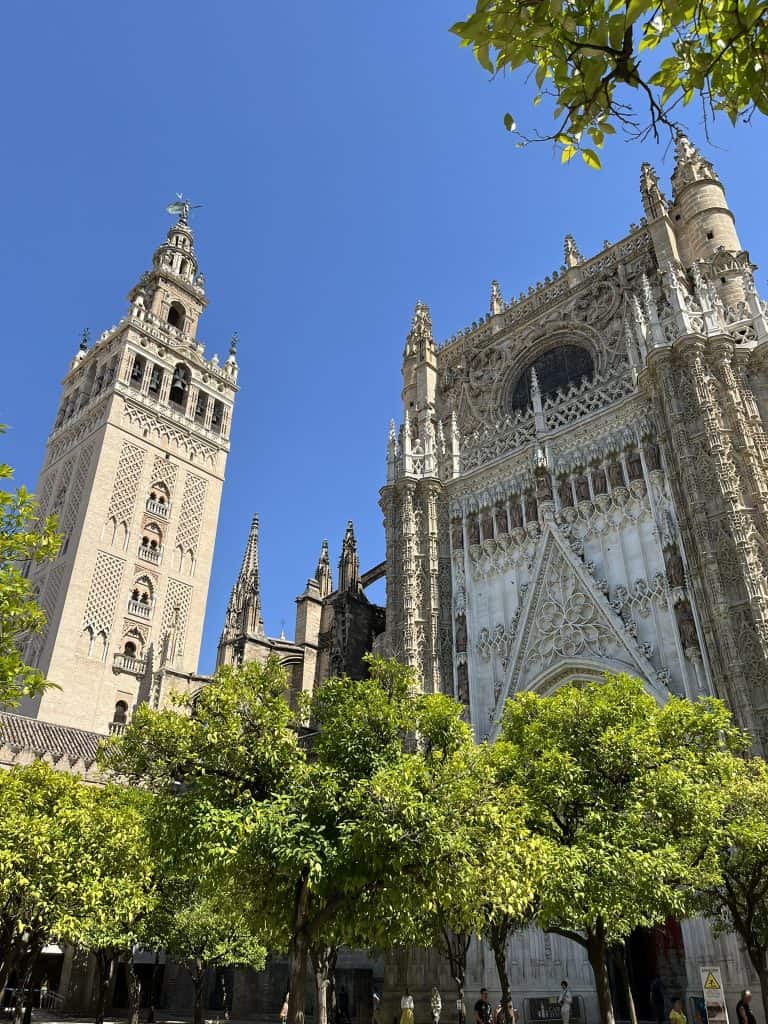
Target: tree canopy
x=23, y=539
x=603, y=65
x=737, y=900
x=625, y=795
x=372, y=829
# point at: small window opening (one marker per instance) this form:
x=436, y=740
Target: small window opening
x=710, y=234
x=217, y=417
x=179, y=386
x=137, y=372
x=155, y=380
x=129, y=649
x=120, y=716
x=200, y=407
x=176, y=315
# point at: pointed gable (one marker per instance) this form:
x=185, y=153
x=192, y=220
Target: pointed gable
x=566, y=620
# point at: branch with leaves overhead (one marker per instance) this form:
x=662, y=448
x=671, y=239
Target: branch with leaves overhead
x=631, y=65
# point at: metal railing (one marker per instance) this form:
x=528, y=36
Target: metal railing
x=148, y=554
x=159, y=508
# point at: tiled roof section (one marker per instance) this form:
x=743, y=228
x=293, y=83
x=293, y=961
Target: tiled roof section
x=47, y=738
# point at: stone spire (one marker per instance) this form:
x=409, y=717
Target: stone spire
x=323, y=571
x=244, y=609
x=690, y=165
x=419, y=340
x=571, y=252
x=349, y=563
x=654, y=201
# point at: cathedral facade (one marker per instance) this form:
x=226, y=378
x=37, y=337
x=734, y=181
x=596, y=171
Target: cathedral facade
x=579, y=485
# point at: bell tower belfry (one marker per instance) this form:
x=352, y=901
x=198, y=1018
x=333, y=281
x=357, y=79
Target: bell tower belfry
x=133, y=469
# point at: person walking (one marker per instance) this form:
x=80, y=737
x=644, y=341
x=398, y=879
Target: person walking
x=677, y=1014
x=565, y=999
x=435, y=1005
x=375, y=1007
x=483, y=1010
x=406, y=1008
x=284, y=1009
x=744, y=1012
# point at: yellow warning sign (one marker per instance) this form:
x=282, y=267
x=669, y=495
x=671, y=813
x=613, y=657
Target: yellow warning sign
x=711, y=981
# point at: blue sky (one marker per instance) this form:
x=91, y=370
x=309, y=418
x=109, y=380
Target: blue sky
x=351, y=159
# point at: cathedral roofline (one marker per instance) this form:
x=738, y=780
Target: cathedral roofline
x=567, y=279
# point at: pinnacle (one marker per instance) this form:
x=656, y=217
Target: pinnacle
x=571, y=252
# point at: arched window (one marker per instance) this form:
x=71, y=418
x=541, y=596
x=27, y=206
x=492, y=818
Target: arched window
x=159, y=493
x=142, y=593
x=155, y=380
x=177, y=315
x=152, y=537
x=179, y=386
x=218, y=417
x=129, y=649
x=120, y=716
x=555, y=369
x=137, y=372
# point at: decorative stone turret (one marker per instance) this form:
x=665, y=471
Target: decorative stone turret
x=349, y=563
x=571, y=252
x=497, y=302
x=703, y=223
x=323, y=571
x=654, y=201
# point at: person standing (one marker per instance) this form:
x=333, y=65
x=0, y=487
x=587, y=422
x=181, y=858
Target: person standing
x=406, y=1008
x=435, y=1005
x=375, y=1007
x=284, y=1009
x=483, y=1008
x=744, y=1012
x=676, y=1014
x=565, y=999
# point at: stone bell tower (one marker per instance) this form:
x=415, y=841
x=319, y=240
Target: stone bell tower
x=133, y=469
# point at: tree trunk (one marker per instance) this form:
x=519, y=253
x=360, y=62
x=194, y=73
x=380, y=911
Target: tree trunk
x=758, y=956
x=153, y=990
x=26, y=968
x=498, y=937
x=198, y=976
x=456, y=946
x=134, y=990
x=297, y=953
x=621, y=963
x=324, y=967
x=596, y=953
x=9, y=948
x=105, y=965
